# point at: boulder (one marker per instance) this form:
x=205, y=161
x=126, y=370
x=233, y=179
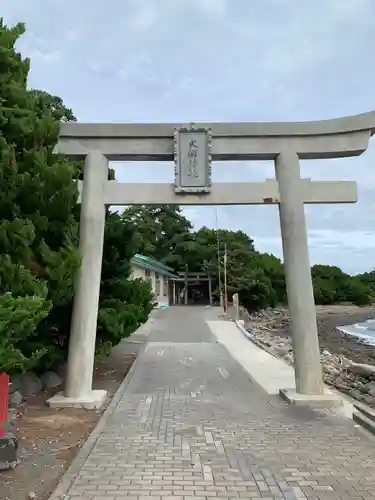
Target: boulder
x=61, y=370
x=342, y=387
x=15, y=398
x=30, y=384
x=283, y=350
x=14, y=385
x=362, y=370
x=8, y=452
x=50, y=380
x=10, y=425
x=369, y=400
x=332, y=370
x=289, y=357
x=355, y=394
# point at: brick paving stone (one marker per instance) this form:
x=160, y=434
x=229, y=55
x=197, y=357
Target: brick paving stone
x=192, y=425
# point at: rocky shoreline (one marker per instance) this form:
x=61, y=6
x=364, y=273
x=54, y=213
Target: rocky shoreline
x=348, y=362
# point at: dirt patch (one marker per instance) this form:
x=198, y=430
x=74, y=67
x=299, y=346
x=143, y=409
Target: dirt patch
x=50, y=439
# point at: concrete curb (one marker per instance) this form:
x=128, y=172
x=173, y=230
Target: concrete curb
x=240, y=325
x=68, y=478
x=345, y=410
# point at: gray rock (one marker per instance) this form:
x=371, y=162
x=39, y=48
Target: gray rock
x=369, y=400
x=12, y=414
x=342, y=386
x=14, y=385
x=355, y=394
x=362, y=370
x=289, y=357
x=8, y=452
x=361, y=387
x=10, y=425
x=61, y=370
x=50, y=380
x=332, y=370
x=15, y=398
x=283, y=350
x=30, y=384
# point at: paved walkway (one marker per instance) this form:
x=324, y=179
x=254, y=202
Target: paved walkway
x=192, y=425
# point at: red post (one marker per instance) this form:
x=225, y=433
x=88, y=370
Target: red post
x=4, y=402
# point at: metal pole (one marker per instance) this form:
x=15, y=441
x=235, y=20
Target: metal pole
x=186, y=284
x=218, y=261
x=225, y=279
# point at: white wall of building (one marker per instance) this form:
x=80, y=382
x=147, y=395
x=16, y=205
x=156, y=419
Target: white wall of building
x=159, y=283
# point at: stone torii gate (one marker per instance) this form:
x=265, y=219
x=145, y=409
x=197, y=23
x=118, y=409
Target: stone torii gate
x=193, y=148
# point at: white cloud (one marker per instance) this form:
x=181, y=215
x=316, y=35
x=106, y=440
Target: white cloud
x=72, y=35
x=145, y=16
x=215, y=8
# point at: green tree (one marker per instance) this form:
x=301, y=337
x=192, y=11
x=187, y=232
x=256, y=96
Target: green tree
x=332, y=285
x=273, y=269
x=161, y=232
x=19, y=317
x=39, y=255
x=243, y=276
x=124, y=303
x=368, y=279
x=259, y=278
x=355, y=291
x=324, y=291
x=38, y=229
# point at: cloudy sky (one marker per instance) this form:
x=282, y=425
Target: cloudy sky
x=220, y=60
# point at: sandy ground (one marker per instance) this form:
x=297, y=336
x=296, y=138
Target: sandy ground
x=49, y=439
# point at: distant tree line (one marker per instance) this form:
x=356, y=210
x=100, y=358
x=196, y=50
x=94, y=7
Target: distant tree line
x=165, y=234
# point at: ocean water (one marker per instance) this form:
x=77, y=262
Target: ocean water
x=364, y=331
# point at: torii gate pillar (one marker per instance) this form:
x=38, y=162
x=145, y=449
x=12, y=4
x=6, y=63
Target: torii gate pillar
x=307, y=366
x=192, y=149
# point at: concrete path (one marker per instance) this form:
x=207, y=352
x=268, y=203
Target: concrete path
x=191, y=424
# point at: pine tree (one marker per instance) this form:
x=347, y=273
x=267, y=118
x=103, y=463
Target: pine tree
x=39, y=254
x=161, y=232
x=38, y=229
x=124, y=304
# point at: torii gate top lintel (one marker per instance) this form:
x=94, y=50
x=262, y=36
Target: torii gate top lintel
x=334, y=138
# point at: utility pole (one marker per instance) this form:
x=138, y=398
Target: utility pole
x=225, y=280
x=186, y=284
x=210, y=288
x=218, y=261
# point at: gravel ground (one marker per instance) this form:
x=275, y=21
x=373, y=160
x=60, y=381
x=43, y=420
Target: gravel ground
x=338, y=350
x=337, y=342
